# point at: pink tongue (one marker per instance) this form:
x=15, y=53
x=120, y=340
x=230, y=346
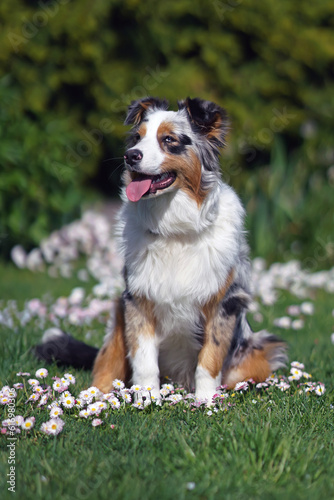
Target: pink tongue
x=137, y=188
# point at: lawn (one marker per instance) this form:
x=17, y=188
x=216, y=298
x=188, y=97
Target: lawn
x=271, y=442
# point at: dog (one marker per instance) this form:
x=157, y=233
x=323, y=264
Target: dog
x=186, y=265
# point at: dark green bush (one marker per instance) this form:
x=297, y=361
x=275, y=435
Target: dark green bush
x=38, y=192
x=269, y=63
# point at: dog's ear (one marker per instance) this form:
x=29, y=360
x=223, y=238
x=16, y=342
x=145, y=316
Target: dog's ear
x=207, y=118
x=138, y=109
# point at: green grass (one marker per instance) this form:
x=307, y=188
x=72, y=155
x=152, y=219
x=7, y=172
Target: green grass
x=280, y=447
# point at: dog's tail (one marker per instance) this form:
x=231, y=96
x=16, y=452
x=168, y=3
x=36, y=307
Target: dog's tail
x=256, y=358
x=57, y=346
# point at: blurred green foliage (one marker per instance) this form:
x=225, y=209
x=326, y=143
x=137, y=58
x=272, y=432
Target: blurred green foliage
x=74, y=66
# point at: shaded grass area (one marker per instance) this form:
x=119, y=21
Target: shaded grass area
x=269, y=445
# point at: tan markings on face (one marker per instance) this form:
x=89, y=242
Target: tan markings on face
x=142, y=130
x=188, y=174
x=215, y=131
x=165, y=129
x=139, y=321
x=111, y=361
x=218, y=332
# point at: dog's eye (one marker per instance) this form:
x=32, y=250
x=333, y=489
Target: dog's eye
x=136, y=138
x=169, y=139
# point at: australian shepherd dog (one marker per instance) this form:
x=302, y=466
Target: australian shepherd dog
x=186, y=266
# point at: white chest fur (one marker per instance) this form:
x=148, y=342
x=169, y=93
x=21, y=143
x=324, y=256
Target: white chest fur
x=187, y=264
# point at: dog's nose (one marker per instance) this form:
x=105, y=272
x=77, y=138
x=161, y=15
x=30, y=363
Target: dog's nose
x=132, y=157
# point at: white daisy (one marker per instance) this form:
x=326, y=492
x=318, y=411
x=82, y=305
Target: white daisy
x=68, y=402
x=114, y=403
x=94, y=391
x=56, y=412
x=28, y=423
x=118, y=384
x=96, y=422
x=320, y=390
x=70, y=378
x=42, y=373
x=94, y=409
x=33, y=381
x=85, y=413
x=53, y=427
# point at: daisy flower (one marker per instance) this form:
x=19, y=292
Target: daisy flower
x=56, y=412
x=4, y=400
x=136, y=389
x=66, y=394
x=307, y=308
x=5, y=390
x=307, y=375
x=155, y=400
x=54, y=404
x=296, y=364
x=42, y=373
x=118, y=384
x=126, y=397
x=65, y=383
x=68, y=402
x=138, y=404
x=108, y=396
x=94, y=409
x=102, y=405
x=164, y=392
x=23, y=374
x=320, y=389
x=38, y=389
x=149, y=388
x=53, y=427
x=94, y=391
x=33, y=381
x=297, y=324
x=175, y=398
x=58, y=386
x=34, y=397
x=79, y=403
x=85, y=413
x=283, y=386
x=70, y=378
x=261, y=384
x=19, y=385
x=168, y=387
x=114, y=403
x=28, y=423
x=86, y=396
x=296, y=373
x=96, y=422
x=241, y=386
x=272, y=379
x=18, y=419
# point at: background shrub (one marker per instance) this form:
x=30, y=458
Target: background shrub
x=75, y=66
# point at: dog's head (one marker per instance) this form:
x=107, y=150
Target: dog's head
x=170, y=150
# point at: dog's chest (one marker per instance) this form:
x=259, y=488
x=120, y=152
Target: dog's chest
x=180, y=274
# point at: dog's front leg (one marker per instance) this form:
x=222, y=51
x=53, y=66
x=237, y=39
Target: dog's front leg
x=218, y=333
x=142, y=344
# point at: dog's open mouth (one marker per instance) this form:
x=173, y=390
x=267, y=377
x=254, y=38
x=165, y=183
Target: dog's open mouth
x=143, y=184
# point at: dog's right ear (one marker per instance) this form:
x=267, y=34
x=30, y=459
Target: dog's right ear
x=138, y=109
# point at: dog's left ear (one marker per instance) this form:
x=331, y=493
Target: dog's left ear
x=207, y=118
x=138, y=109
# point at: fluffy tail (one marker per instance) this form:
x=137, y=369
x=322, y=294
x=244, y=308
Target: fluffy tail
x=57, y=346
x=256, y=358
